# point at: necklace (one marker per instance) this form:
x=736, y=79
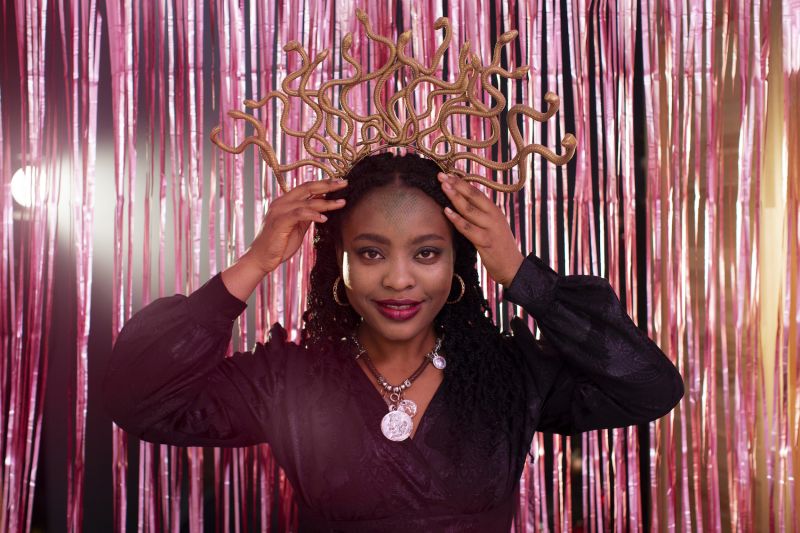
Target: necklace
x=397, y=424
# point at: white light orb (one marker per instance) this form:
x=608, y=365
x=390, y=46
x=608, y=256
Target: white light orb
x=22, y=186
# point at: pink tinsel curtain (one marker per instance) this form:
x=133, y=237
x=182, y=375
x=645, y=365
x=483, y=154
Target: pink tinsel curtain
x=684, y=193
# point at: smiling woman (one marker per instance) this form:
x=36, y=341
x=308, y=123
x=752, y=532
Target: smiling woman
x=372, y=436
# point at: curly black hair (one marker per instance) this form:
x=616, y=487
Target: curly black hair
x=479, y=371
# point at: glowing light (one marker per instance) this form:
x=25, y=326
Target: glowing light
x=22, y=186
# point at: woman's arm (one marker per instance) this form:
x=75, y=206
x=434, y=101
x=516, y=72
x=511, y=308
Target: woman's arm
x=169, y=381
x=593, y=368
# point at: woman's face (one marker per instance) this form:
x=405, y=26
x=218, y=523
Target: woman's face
x=396, y=259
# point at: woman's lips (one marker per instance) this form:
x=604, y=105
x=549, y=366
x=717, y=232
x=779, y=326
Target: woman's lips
x=398, y=311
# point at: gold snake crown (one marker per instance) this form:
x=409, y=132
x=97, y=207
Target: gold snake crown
x=425, y=131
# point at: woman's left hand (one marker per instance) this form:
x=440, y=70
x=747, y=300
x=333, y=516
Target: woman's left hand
x=482, y=222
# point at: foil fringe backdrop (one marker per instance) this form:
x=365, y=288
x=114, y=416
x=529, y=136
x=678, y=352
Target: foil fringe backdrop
x=26, y=271
x=83, y=67
x=724, y=460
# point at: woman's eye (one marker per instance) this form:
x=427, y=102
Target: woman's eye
x=428, y=253
x=369, y=253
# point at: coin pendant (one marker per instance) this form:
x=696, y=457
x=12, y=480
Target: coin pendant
x=396, y=425
x=439, y=362
x=409, y=407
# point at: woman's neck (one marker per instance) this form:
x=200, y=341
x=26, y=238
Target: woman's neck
x=396, y=352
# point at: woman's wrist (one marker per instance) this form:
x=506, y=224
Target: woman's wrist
x=243, y=276
x=513, y=267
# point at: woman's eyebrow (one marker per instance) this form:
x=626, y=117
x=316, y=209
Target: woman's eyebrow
x=383, y=240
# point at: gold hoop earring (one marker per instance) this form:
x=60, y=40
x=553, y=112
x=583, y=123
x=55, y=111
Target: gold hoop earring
x=336, y=292
x=463, y=290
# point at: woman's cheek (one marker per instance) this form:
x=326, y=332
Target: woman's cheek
x=361, y=282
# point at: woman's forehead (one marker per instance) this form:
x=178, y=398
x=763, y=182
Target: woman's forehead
x=394, y=201
x=397, y=211
x=396, y=197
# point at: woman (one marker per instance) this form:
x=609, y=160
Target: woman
x=394, y=282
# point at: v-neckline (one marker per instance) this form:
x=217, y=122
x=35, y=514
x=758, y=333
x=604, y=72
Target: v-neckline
x=379, y=401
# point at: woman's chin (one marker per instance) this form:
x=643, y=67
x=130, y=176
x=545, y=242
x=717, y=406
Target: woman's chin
x=397, y=330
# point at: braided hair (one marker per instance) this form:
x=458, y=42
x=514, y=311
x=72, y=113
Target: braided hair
x=479, y=372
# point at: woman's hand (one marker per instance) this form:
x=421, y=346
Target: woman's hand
x=282, y=231
x=482, y=222
x=287, y=220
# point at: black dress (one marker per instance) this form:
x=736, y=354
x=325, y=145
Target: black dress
x=168, y=382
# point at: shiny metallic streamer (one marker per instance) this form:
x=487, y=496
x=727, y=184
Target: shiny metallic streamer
x=627, y=485
x=580, y=256
x=148, y=506
x=121, y=29
x=787, y=367
x=555, y=80
x=229, y=20
x=83, y=68
x=712, y=286
x=651, y=80
x=605, y=128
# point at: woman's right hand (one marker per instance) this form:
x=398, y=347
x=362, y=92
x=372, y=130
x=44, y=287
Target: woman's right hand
x=287, y=220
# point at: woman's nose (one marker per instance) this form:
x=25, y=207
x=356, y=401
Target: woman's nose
x=399, y=276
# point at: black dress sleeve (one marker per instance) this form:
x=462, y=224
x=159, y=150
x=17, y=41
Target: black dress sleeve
x=169, y=382
x=593, y=368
